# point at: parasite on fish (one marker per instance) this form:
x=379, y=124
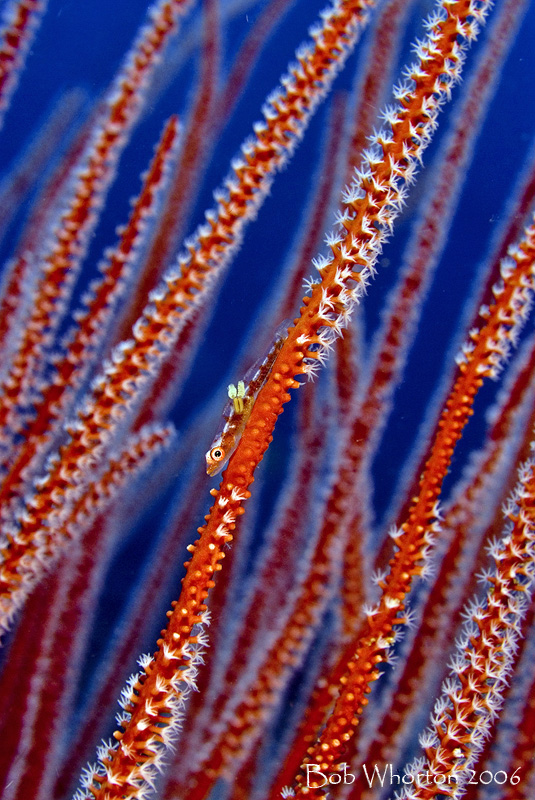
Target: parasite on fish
x=238, y=409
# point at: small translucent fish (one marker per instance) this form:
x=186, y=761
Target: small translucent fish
x=241, y=401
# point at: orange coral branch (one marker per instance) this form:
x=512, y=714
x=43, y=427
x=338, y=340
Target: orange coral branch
x=485, y=654
x=50, y=667
x=273, y=577
x=482, y=359
x=63, y=259
x=21, y=271
x=93, y=322
x=16, y=37
x=523, y=757
x=171, y=219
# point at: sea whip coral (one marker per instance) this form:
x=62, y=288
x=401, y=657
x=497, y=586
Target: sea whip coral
x=70, y=449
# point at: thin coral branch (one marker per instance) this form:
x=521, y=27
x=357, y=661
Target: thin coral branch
x=33, y=777
x=21, y=273
x=39, y=152
x=196, y=141
x=21, y=19
x=62, y=261
x=93, y=324
x=472, y=696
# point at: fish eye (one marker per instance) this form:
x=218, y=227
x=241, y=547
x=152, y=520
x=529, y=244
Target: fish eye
x=217, y=454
